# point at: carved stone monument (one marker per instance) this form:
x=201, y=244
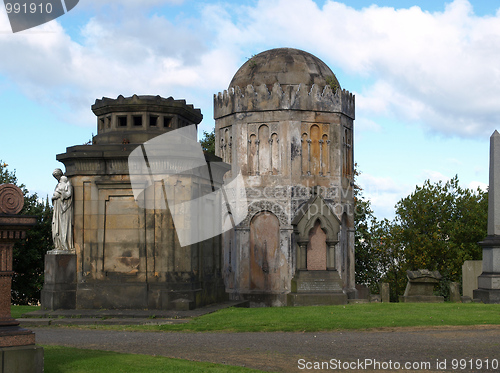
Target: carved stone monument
x=420, y=287
x=489, y=281
x=18, y=353
x=59, y=288
x=287, y=126
x=62, y=221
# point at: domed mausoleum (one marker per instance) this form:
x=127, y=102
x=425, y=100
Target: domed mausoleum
x=286, y=125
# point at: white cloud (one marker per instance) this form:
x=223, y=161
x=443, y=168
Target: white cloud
x=433, y=176
x=367, y=125
x=436, y=69
x=383, y=193
x=477, y=184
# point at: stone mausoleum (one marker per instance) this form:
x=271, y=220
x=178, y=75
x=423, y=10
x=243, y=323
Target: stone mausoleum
x=286, y=125
x=126, y=256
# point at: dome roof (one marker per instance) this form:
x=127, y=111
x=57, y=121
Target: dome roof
x=285, y=66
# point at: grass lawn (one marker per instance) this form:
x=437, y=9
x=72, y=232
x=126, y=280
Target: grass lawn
x=352, y=316
x=60, y=359
x=17, y=311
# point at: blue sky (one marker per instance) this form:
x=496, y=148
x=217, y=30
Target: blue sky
x=425, y=75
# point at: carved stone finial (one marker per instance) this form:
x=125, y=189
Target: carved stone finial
x=11, y=199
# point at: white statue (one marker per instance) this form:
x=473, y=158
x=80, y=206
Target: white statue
x=62, y=220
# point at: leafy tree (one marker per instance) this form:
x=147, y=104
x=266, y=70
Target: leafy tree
x=366, y=271
x=437, y=227
x=208, y=142
x=28, y=254
x=440, y=225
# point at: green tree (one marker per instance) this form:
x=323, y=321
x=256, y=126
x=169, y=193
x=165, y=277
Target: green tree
x=208, y=142
x=28, y=254
x=366, y=271
x=368, y=235
x=440, y=226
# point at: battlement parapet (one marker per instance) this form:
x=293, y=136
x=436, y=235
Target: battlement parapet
x=146, y=103
x=301, y=97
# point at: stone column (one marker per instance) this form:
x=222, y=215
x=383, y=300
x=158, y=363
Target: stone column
x=17, y=345
x=489, y=281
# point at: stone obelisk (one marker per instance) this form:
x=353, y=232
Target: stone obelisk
x=489, y=281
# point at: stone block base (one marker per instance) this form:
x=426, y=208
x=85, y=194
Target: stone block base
x=21, y=359
x=16, y=336
x=259, y=299
x=59, y=288
x=421, y=299
x=124, y=294
x=316, y=282
x=316, y=299
x=487, y=296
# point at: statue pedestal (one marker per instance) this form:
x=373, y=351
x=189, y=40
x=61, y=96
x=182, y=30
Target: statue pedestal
x=488, y=282
x=59, y=288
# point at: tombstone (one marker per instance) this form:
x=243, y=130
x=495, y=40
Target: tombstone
x=17, y=345
x=385, y=292
x=455, y=292
x=363, y=292
x=488, y=283
x=420, y=287
x=471, y=270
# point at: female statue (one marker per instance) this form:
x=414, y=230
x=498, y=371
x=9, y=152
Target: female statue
x=62, y=220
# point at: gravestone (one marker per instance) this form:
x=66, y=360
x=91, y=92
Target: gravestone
x=385, y=292
x=455, y=292
x=471, y=270
x=18, y=353
x=488, y=283
x=420, y=287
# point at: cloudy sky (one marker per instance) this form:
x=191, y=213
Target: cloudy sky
x=426, y=76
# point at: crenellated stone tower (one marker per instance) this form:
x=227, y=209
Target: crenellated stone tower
x=287, y=126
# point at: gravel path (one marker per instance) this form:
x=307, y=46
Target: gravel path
x=280, y=352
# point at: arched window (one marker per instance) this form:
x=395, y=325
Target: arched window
x=315, y=156
x=305, y=154
x=252, y=155
x=264, y=150
x=325, y=155
x=275, y=154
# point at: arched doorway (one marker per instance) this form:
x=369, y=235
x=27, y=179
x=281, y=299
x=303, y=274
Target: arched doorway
x=264, y=252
